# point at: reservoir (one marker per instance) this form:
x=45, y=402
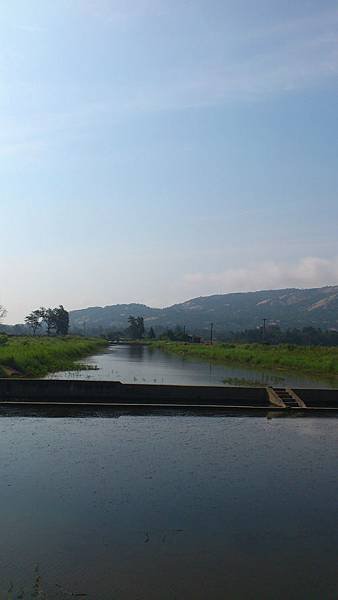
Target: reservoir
x=143, y=364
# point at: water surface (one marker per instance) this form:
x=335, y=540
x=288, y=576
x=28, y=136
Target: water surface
x=143, y=364
x=170, y=507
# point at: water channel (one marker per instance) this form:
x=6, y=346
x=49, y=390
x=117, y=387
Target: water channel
x=143, y=364
x=169, y=506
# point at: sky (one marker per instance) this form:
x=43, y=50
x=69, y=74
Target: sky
x=157, y=150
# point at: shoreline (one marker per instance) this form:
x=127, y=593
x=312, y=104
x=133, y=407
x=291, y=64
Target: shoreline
x=296, y=359
x=30, y=357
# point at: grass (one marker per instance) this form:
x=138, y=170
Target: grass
x=244, y=381
x=305, y=359
x=36, y=357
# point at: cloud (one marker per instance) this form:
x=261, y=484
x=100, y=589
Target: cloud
x=307, y=272
x=238, y=62
x=291, y=57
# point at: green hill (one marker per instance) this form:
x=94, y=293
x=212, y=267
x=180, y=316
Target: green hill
x=317, y=307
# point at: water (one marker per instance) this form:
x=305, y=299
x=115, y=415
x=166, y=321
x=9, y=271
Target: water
x=142, y=364
x=169, y=507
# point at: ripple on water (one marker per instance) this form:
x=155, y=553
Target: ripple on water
x=170, y=507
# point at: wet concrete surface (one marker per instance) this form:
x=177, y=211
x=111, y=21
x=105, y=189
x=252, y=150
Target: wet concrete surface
x=169, y=507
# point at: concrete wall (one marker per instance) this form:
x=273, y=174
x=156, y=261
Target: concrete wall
x=111, y=391
x=318, y=398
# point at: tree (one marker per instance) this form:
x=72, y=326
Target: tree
x=34, y=320
x=48, y=317
x=132, y=327
x=61, y=320
x=136, y=327
x=140, y=326
x=151, y=334
x=55, y=319
x=175, y=335
x=3, y=312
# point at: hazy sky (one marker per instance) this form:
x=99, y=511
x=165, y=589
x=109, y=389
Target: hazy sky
x=157, y=150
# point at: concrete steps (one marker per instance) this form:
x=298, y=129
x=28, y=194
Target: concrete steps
x=288, y=398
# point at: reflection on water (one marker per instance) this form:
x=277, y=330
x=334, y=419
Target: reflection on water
x=169, y=507
x=143, y=364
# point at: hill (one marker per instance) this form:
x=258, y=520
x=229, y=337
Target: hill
x=317, y=307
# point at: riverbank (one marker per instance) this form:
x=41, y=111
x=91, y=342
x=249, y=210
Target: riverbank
x=303, y=359
x=38, y=356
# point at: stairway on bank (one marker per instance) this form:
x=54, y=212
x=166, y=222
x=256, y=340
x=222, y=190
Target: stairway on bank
x=285, y=396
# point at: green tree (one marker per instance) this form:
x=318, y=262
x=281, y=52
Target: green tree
x=151, y=334
x=140, y=326
x=132, y=327
x=61, y=320
x=136, y=327
x=48, y=317
x=34, y=320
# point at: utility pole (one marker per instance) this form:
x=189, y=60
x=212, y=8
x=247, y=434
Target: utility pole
x=211, y=332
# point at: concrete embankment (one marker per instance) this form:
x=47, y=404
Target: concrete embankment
x=113, y=394
x=65, y=391
x=318, y=398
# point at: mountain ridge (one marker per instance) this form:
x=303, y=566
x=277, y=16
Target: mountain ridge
x=288, y=307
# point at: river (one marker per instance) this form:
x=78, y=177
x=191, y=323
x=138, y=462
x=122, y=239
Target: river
x=143, y=364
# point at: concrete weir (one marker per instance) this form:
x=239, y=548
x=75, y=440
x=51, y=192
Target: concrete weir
x=99, y=395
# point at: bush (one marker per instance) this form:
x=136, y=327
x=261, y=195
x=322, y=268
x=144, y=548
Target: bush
x=3, y=339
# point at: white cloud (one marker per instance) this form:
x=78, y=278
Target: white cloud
x=307, y=272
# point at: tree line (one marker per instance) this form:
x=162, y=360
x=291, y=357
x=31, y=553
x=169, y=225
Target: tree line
x=136, y=331
x=55, y=320
x=307, y=336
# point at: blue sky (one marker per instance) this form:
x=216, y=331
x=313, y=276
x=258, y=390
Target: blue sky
x=155, y=151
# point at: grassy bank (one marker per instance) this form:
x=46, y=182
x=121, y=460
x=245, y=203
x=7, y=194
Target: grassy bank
x=35, y=357
x=306, y=359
